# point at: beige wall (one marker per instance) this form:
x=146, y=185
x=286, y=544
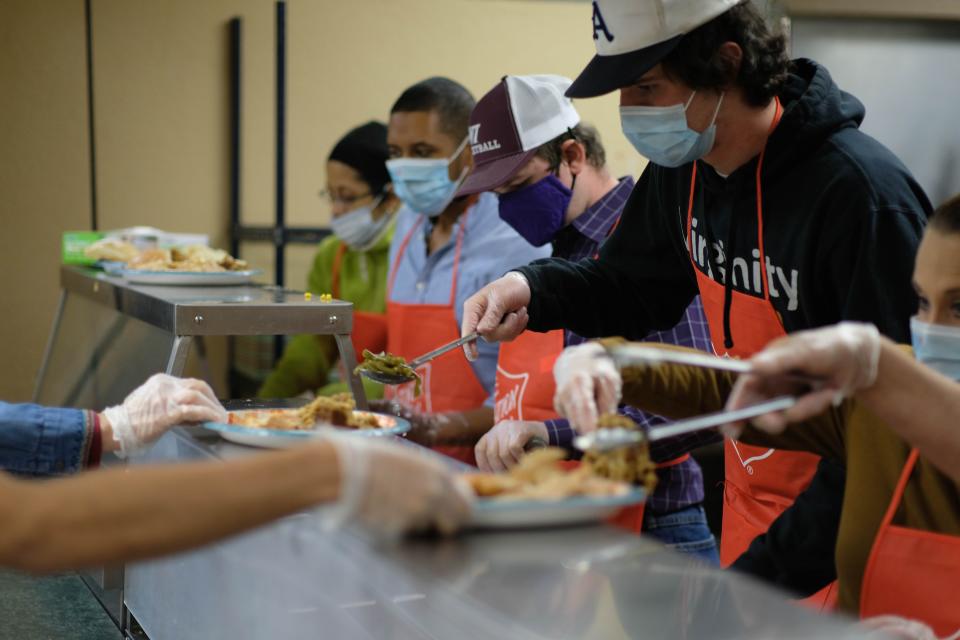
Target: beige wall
x=161, y=107
x=44, y=171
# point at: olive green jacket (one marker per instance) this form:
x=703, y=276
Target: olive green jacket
x=309, y=362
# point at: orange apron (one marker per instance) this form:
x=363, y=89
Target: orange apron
x=911, y=573
x=369, y=329
x=760, y=483
x=525, y=387
x=449, y=383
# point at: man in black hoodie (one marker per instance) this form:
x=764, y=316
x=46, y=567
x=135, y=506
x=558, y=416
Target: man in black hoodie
x=763, y=196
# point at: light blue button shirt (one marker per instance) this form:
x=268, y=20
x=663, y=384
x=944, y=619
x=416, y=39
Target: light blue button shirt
x=490, y=248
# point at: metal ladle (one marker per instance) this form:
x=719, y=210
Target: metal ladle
x=396, y=378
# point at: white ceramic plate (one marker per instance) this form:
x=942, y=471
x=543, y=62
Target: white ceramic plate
x=522, y=514
x=282, y=438
x=186, y=278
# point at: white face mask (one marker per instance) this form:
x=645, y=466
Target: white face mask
x=358, y=229
x=937, y=346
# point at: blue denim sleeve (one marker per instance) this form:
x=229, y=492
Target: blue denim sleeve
x=41, y=441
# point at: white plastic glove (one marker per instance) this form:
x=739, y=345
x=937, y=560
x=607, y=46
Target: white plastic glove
x=391, y=488
x=898, y=628
x=498, y=312
x=588, y=384
x=844, y=357
x=158, y=404
x=503, y=446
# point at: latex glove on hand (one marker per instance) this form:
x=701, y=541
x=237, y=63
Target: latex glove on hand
x=390, y=489
x=897, y=628
x=588, y=385
x=498, y=312
x=158, y=404
x=503, y=446
x=843, y=357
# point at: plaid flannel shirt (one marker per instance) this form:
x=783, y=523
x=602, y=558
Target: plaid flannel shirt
x=680, y=485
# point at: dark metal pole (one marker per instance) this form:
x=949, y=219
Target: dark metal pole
x=281, y=143
x=236, y=33
x=281, y=147
x=88, y=11
x=236, y=75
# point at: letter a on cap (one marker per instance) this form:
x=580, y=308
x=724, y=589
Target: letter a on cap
x=599, y=24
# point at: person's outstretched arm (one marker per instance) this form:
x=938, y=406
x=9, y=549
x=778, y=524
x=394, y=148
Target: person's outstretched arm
x=918, y=403
x=117, y=515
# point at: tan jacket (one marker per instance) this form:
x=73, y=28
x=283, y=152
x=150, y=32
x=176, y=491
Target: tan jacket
x=875, y=456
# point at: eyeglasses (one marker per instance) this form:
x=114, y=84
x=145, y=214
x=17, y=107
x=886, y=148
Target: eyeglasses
x=342, y=199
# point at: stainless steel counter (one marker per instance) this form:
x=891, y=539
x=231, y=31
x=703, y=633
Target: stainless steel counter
x=292, y=580
x=249, y=309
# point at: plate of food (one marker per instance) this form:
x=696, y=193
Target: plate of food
x=194, y=265
x=541, y=492
x=189, y=278
x=280, y=428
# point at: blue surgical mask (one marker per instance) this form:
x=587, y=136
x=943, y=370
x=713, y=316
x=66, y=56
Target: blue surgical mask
x=937, y=346
x=424, y=184
x=662, y=135
x=537, y=211
x=358, y=229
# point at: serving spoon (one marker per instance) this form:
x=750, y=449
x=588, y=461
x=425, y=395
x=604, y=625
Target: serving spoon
x=397, y=378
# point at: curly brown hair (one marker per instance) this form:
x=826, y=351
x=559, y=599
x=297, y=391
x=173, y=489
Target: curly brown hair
x=698, y=63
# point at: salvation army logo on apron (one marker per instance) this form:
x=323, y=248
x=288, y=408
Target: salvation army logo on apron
x=746, y=463
x=510, y=390
x=524, y=386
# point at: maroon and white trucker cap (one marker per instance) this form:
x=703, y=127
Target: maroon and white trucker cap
x=511, y=122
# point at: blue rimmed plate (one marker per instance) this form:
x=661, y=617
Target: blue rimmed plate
x=186, y=278
x=282, y=438
x=521, y=514
x=111, y=267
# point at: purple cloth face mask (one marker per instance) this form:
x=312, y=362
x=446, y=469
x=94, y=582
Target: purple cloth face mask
x=537, y=211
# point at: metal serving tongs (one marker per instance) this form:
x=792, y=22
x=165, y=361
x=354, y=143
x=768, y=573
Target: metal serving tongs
x=396, y=378
x=607, y=439
x=651, y=355
x=633, y=354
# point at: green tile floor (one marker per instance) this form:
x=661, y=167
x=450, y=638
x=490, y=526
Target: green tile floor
x=51, y=608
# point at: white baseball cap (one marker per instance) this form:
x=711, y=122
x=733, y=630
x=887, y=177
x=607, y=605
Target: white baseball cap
x=511, y=122
x=632, y=36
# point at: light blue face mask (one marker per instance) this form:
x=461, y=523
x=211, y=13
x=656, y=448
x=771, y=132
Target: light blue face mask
x=424, y=184
x=937, y=346
x=661, y=134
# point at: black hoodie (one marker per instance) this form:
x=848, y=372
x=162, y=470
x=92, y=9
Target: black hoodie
x=842, y=222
